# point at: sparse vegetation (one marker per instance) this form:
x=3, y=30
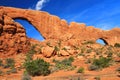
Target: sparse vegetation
x=1, y=72
x=118, y=54
x=89, y=51
x=98, y=51
x=89, y=42
x=100, y=63
x=82, y=50
x=97, y=78
x=56, y=50
x=65, y=64
x=110, y=54
x=1, y=62
x=81, y=70
x=93, y=67
x=13, y=70
x=37, y=67
x=9, y=63
x=117, y=45
x=30, y=53
x=49, y=44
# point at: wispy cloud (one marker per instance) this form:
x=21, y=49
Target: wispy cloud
x=40, y=4
x=104, y=15
x=104, y=26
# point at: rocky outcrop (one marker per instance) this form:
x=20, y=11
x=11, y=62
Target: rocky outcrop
x=13, y=38
x=51, y=27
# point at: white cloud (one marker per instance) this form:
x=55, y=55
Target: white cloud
x=105, y=26
x=40, y=5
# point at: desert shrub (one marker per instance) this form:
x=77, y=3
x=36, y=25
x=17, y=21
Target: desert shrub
x=82, y=50
x=76, y=47
x=1, y=72
x=13, y=70
x=30, y=53
x=9, y=63
x=26, y=77
x=49, y=44
x=89, y=42
x=65, y=49
x=98, y=51
x=117, y=45
x=71, y=59
x=81, y=54
x=118, y=54
x=88, y=61
x=37, y=67
x=89, y=51
x=118, y=69
x=56, y=50
x=93, y=67
x=100, y=63
x=81, y=70
x=32, y=50
x=8, y=72
x=1, y=62
x=97, y=78
x=109, y=54
x=65, y=64
x=59, y=43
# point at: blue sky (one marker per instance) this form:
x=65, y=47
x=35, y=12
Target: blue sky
x=104, y=14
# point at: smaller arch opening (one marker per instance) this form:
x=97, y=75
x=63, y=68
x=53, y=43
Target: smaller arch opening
x=101, y=41
x=30, y=29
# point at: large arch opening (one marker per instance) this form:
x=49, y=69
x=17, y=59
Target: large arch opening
x=101, y=41
x=30, y=29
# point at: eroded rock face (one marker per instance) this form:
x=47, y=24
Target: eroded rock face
x=51, y=27
x=13, y=38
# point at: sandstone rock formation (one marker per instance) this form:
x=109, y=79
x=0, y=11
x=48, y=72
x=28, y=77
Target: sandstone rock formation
x=51, y=27
x=13, y=37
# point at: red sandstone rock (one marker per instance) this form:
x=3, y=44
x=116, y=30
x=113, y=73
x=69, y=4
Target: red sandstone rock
x=51, y=27
x=13, y=35
x=12, y=41
x=47, y=51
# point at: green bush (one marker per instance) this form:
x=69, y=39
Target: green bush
x=13, y=70
x=93, y=67
x=1, y=62
x=1, y=72
x=89, y=51
x=30, y=53
x=97, y=78
x=37, y=67
x=117, y=45
x=65, y=64
x=100, y=63
x=9, y=63
x=81, y=70
x=110, y=54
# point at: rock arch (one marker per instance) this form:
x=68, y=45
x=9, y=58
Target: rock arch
x=52, y=27
x=104, y=42
x=31, y=31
